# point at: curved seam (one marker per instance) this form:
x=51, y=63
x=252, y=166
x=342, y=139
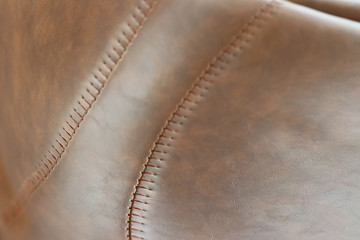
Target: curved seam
x=167, y=137
x=97, y=82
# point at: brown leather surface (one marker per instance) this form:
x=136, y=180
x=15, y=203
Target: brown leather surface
x=49, y=50
x=271, y=149
x=349, y=9
x=6, y=195
x=116, y=135
x=244, y=113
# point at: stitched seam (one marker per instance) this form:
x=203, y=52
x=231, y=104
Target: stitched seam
x=167, y=137
x=97, y=83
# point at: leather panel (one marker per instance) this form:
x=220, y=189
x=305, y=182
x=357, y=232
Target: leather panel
x=87, y=195
x=279, y=157
x=49, y=50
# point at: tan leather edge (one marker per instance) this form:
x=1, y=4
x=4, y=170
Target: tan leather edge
x=344, y=9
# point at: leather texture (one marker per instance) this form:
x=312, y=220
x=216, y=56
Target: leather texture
x=349, y=9
x=204, y=119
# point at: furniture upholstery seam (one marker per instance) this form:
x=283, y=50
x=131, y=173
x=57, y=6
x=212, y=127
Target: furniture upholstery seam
x=145, y=185
x=96, y=83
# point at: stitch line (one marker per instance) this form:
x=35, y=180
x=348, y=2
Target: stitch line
x=32, y=182
x=139, y=200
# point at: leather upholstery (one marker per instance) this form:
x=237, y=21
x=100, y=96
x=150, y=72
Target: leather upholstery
x=203, y=119
x=349, y=9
